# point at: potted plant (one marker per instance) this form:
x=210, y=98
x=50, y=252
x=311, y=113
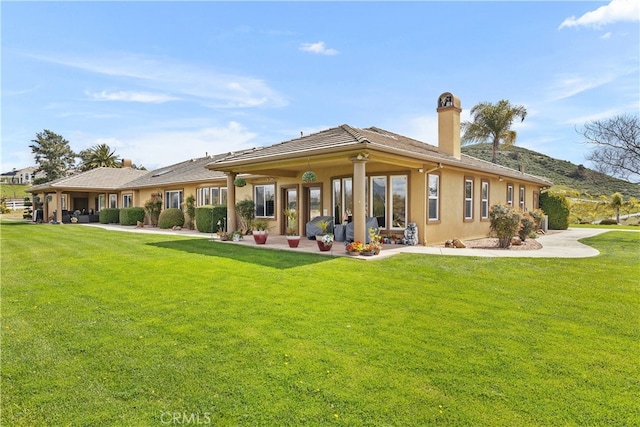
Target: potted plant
x=354, y=248
x=239, y=182
x=236, y=236
x=260, y=228
x=293, y=238
x=325, y=243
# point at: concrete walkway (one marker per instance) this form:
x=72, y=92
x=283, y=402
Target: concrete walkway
x=559, y=244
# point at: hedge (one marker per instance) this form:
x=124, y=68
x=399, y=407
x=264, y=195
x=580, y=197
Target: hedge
x=207, y=218
x=109, y=216
x=131, y=216
x=557, y=208
x=172, y=217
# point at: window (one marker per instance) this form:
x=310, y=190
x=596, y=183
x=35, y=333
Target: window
x=264, y=198
x=433, y=197
x=223, y=195
x=342, y=198
x=399, y=201
x=202, y=196
x=510, y=194
x=113, y=201
x=536, y=200
x=173, y=199
x=63, y=200
x=522, y=193
x=102, y=202
x=484, y=200
x=468, y=199
x=127, y=200
x=379, y=200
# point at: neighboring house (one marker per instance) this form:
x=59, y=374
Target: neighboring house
x=361, y=175
x=21, y=176
x=365, y=173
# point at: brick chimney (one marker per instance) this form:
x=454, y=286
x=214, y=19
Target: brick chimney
x=449, y=109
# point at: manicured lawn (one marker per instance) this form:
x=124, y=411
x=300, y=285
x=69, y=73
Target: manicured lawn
x=110, y=328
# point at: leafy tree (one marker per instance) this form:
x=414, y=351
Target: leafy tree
x=505, y=223
x=616, y=203
x=99, y=156
x=492, y=123
x=617, y=146
x=53, y=155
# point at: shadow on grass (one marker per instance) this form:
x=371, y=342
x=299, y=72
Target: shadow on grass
x=269, y=258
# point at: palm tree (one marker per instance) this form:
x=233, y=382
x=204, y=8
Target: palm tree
x=492, y=122
x=99, y=156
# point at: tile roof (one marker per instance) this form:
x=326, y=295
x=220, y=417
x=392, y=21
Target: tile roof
x=193, y=170
x=346, y=136
x=94, y=179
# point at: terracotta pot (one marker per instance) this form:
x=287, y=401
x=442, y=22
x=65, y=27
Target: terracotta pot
x=324, y=247
x=293, y=241
x=260, y=238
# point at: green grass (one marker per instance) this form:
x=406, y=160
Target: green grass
x=110, y=328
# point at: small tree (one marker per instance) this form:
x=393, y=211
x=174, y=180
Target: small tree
x=153, y=207
x=505, y=223
x=616, y=203
x=190, y=208
x=246, y=209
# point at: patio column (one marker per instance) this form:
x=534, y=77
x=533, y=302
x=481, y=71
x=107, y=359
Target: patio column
x=359, y=198
x=231, y=201
x=59, y=206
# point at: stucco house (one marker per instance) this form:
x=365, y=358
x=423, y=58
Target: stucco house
x=361, y=174
x=367, y=173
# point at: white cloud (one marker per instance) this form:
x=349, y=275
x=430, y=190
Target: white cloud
x=184, y=80
x=317, y=48
x=166, y=147
x=567, y=86
x=616, y=11
x=130, y=96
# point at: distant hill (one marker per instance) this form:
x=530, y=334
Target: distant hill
x=561, y=172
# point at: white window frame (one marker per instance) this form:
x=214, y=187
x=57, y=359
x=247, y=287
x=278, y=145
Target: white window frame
x=169, y=199
x=435, y=215
x=510, y=194
x=484, y=200
x=385, y=201
x=523, y=194
x=127, y=200
x=266, y=189
x=113, y=200
x=468, y=199
x=392, y=192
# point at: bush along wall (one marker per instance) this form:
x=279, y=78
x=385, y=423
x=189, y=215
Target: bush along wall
x=172, y=217
x=131, y=216
x=557, y=208
x=109, y=216
x=208, y=217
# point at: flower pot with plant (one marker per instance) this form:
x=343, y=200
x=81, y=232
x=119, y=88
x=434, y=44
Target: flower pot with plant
x=293, y=238
x=325, y=243
x=260, y=228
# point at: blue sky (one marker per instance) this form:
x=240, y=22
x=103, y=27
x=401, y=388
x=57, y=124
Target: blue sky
x=162, y=82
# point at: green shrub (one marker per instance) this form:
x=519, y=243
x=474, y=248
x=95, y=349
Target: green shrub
x=505, y=223
x=557, y=208
x=608, y=222
x=131, y=216
x=190, y=211
x=527, y=226
x=109, y=216
x=210, y=219
x=153, y=207
x=172, y=217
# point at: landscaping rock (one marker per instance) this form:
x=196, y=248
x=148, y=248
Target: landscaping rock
x=459, y=243
x=516, y=241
